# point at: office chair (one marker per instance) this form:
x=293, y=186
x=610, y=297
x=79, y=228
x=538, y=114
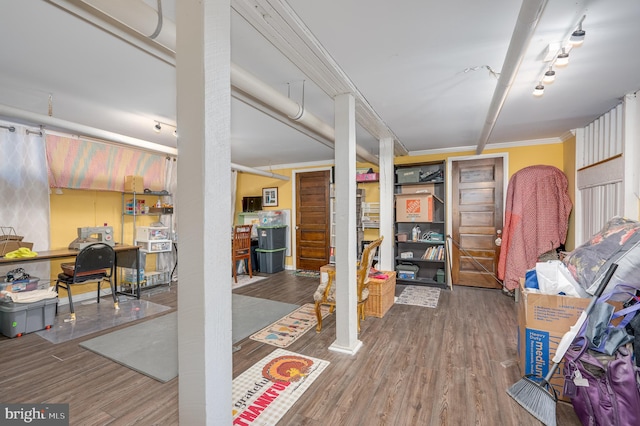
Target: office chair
x=94, y=263
x=241, y=248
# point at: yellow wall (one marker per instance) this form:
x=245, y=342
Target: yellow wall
x=78, y=208
x=75, y=208
x=519, y=158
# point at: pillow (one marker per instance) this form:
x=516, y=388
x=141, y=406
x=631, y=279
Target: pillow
x=617, y=242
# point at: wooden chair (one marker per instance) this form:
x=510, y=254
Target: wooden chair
x=94, y=263
x=326, y=292
x=241, y=248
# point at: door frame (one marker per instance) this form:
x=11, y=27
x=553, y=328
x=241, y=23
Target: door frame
x=449, y=194
x=294, y=213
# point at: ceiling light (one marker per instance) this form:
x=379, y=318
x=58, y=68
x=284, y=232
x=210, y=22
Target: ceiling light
x=157, y=127
x=563, y=59
x=539, y=90
x=549, y=76
x=577, y=37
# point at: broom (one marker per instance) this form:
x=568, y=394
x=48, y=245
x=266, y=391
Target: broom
x=534, y=395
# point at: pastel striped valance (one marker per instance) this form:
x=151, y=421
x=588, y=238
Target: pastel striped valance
x=83, y=164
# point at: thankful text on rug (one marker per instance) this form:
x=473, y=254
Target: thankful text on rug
x=265, y=392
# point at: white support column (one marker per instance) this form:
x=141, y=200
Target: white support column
x=345, y=182
x=204, y=304
x=387, y=180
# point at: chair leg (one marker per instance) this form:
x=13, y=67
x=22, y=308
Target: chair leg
x=57, y=286
x=99, y=285
x=235, y=271
x=319, y=317
x=250, y=267
x=116, y=301
x=73, y=313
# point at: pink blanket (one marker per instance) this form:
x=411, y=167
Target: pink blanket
x=536, y=220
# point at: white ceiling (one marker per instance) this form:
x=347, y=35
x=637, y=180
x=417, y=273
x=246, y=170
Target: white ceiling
x=423, y=66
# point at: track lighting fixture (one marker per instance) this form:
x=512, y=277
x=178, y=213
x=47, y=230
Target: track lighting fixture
x=559, y=60
x=539, y=90
x=158, y=127
x=549, y=76
x=577, y=37
x=563, y=59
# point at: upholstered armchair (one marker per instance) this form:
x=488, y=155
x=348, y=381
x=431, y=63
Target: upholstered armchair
x=326, y=292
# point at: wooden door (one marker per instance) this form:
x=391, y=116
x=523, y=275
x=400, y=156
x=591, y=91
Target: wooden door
x=312, y=220
x=477, y=206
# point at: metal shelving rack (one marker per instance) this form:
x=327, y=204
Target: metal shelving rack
x=153, y=278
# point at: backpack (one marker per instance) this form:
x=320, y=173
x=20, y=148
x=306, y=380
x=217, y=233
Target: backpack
x=604, y=389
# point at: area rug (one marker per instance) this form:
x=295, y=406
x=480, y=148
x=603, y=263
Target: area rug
x=306, y=273
x=151, y=347
x=265, y=392
x=250, y=314
x=245, y=280
x=290, y=328
x=419, y=296
x=92, y=317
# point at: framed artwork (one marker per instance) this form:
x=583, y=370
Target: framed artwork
x=269, y=197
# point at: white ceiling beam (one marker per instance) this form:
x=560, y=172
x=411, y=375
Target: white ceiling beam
x=134, y=21
x=526, y=24
x=279, y=24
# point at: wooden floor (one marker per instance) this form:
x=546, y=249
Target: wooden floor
x=418, y=366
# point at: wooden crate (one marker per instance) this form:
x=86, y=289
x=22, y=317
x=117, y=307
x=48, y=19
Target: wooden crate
x=381, y=295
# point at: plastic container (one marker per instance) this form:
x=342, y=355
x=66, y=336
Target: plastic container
x=271, y=218
x=17, y=319
x=152, y=233
x=20, y=285
x=272, y=237
x=271, y=261
x=408, y=174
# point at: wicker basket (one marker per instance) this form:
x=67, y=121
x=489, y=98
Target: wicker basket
x=381, y=295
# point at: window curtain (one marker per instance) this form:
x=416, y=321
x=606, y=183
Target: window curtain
x=84, y=164
x=24, y=191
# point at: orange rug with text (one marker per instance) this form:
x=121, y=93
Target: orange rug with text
x=265, y=392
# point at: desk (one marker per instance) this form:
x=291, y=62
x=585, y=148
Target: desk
x=126, y=256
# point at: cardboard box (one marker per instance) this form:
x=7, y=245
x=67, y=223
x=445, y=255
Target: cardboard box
x=9, y=246
x=133, y=184
x=542, y=321
x=424, y=188
x=414, y=208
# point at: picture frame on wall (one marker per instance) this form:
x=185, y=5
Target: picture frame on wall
x=269, y=197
